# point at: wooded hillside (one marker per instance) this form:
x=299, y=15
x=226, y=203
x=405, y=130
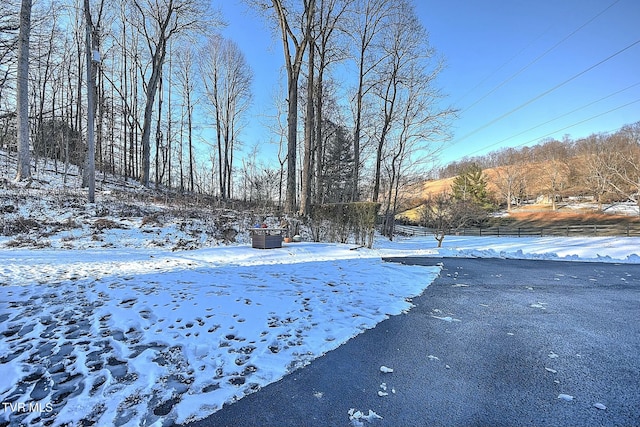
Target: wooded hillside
x=603, y=168
x=152, y=91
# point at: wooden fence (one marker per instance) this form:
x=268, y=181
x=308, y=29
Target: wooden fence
x=623, y=230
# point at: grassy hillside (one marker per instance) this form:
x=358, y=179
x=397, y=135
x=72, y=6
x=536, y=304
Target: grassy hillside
x=537, y=211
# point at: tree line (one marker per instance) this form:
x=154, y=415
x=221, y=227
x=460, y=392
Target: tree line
x=130, y=64
x=360, y=92
x=603, y=166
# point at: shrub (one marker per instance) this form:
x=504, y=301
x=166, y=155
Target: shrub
x=104, y=223
x=20, y=225
x=337, y=222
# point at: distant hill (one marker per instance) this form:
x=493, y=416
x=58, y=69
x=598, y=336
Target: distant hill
x=598, y=173
x=574, y=201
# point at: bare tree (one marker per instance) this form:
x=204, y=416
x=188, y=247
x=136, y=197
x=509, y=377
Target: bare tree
x=554, y=177
x=9, y=27
x=309, y=128
x=399, y=49
x=227, y=81
x=444, y=214
x=278, y=129
x=597, y=157
x=368, y=18
x=22, y=106
x=159, y=21
x=186, y=78
x=328, y=48
x=625, y=162
x=510, y=177
x=294, y=44
x=406, y=93
x=420, y=131
x=92, y=46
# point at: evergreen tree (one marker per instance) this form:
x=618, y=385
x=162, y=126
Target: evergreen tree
x=337, y=176
x=471, y=186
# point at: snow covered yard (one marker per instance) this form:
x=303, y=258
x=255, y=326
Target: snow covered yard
x=133, y=337
x=137, y=335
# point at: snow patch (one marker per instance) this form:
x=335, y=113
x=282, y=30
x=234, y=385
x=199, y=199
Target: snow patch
x=357, y=417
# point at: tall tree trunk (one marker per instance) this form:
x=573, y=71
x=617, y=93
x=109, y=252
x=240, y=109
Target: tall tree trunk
x=292, y=135
x=125, y=105
x=90, y=171
x=356, y=134
x=67, y=133
x=307, y=173
x=319, y=143
x=230, y=165
x=293, y=65
x=169, y=121
x=159, y=132
x=190, y=137
x=22, y=107
x=146, y=126
x=381, y=143
x=112, y=123
x=100, y=103
x=221, y=178
x=181, y=153
x=228, y=135
x=389, y=100
x=80, y=155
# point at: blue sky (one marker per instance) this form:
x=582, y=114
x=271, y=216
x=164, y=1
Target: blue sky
x=518, y=71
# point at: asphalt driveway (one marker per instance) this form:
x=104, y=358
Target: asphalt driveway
x=491, y=342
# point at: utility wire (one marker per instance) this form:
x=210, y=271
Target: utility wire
x=558, y=117
x=545, y=93
x=564, y=128
x=494, y=72
x=520, y=71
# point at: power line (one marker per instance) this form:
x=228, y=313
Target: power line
x=559, y=117
x=517, y=73
x=566, y=127
x=545, y=93
x=494, y=72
